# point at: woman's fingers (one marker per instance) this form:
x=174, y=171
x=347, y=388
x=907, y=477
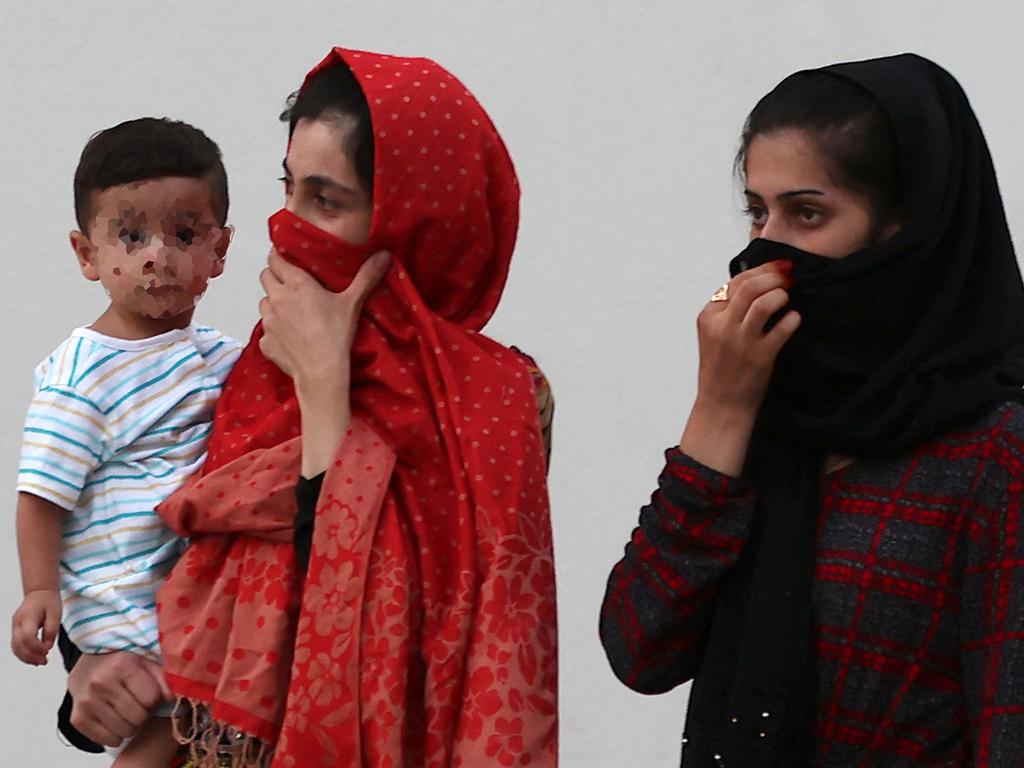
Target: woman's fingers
x=113, y=712
x=747, y=287
x=156, y=671
x=780, y=266
x=370, y=273
x=110, y=730
x=283, y=270
x=269, y=282
x=112, y=695
x=307, y=328
x=96, y=731
x=737, y=353
x=130, y=704
x=762, y=309
x=266, y=346
x=99, y=718
x=145, y=691
x=782, y=332
x=279, y=272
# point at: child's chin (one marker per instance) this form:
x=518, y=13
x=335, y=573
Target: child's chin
x=168, y=314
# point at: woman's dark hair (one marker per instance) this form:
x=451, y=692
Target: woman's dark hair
x=144, y=149
x=334, y=94
x=849, y=127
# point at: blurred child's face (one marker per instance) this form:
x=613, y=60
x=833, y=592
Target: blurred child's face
x=321, y=184
x=154, y=245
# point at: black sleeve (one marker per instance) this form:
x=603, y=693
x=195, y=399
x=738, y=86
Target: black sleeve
x=70, y=653
x=307, y=492
x=662, y=595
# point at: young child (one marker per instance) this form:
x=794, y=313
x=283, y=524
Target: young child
x=123, y=408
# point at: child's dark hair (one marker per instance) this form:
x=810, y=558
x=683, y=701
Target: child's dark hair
x=143, y=149
x=849, y=127
x=335, y=94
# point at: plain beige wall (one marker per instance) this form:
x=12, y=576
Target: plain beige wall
x=623, y=119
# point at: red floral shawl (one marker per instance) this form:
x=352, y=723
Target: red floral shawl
x=424, y=633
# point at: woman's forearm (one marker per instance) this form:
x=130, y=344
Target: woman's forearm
x=661, y=596
x=326, y=410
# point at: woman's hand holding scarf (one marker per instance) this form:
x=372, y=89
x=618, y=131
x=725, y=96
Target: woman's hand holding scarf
x=308, y=330
x=737, y=355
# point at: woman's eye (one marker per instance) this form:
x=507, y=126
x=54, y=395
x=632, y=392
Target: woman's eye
x=756, y=214
x=325, y=203
x=186, y=235
x=809, y=215
x=287, y=184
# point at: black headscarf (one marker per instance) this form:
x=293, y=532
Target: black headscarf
x=900, y=342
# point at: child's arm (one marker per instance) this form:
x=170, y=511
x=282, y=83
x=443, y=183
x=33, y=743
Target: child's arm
x=39, y=549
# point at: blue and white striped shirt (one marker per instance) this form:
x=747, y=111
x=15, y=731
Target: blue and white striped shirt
x=115, y=427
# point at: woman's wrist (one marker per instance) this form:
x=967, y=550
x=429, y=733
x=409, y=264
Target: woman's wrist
x=326, y=413
x=324, y=396
x=730, y=415
x=322, y=381
x=718, y=435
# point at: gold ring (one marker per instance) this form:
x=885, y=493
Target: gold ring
x=722, y=294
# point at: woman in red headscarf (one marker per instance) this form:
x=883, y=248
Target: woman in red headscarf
x=397, y=607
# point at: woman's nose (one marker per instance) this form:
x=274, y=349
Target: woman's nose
x=775, y=230
x=770, y=229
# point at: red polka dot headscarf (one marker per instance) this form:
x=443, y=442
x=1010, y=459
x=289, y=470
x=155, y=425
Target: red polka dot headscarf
x=446, y=197
x=447, y=194
x=423, y=632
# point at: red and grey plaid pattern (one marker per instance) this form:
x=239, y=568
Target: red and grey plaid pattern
x=918, y=597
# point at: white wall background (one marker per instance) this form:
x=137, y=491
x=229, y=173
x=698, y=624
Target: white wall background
x=623, y=119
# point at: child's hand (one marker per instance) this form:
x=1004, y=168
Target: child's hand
x=40, y=610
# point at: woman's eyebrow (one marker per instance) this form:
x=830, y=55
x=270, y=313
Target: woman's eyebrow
x=786, y=195
x=320, y=181
x=798, y=192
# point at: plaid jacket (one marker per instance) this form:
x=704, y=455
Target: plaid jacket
x=918, y=597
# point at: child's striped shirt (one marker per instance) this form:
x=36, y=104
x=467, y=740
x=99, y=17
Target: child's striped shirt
x=115, y=426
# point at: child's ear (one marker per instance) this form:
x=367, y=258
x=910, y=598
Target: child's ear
x=85, y=252
x=221, y=249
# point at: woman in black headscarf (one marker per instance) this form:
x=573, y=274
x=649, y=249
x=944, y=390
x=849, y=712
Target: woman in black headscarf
x=835, y=554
